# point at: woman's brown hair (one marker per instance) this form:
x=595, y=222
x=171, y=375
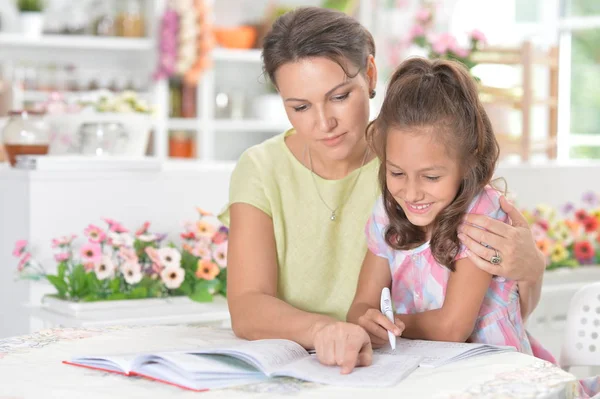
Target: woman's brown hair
x=436, y=97
x=308, y=32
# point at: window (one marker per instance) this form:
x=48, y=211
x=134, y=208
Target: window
x=576, y=25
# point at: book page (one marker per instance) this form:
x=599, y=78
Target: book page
x=122, y=363
x=386, y=370
x=436, y=353
x=267, y=355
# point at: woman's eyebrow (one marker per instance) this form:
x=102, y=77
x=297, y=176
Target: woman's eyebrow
x=344, y=83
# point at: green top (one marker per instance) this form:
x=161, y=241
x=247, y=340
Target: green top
x=318, y=259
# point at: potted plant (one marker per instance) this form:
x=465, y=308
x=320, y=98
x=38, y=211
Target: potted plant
x=31, y=16
x=113, y=264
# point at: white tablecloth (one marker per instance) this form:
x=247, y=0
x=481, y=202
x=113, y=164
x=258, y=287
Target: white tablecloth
x=30, y=367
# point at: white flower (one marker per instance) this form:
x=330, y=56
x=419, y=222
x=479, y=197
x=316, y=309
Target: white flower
x=121, y=239
x=149, y=237
x=105, y=268
x=132, y=271
x=169, y=257
x=220, y=255
x=172, y=277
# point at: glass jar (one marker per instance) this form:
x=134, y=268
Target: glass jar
x=25, y=133
x=102, y=138
x=130, y=21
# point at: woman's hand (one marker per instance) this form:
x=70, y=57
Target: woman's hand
x=521, y=260
x=377, y=326
x=343, y=344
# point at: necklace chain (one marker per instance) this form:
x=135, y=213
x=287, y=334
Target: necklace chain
x=333, y=211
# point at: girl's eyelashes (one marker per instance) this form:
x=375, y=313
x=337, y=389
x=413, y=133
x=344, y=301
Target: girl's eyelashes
x=432, y=178
x=396, y=174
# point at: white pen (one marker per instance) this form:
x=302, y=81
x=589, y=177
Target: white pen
x=386, y=309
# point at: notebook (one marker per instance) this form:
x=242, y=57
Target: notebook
x=245, y=362
x=438, y=353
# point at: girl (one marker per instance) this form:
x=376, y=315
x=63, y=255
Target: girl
x=438, y=153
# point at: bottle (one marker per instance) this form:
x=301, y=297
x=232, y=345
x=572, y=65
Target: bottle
x=25, y=133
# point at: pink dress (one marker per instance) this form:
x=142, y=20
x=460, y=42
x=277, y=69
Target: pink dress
x=419, y=284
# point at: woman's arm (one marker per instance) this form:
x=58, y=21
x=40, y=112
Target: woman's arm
x=455, y=320
x=365, y=308
x=521, y=259
x=257, y=313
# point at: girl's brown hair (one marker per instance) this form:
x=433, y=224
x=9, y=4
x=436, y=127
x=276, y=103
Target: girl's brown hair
x=308, y=32
x=436, y=97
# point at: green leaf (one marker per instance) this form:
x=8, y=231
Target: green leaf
x=201, y=296
x=58, y=283
x=62, y=270
x=116, y=296
x=115, y=285
x=138, y=293
x=79, y=282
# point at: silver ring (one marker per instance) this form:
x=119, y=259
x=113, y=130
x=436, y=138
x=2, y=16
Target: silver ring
x=496, y=259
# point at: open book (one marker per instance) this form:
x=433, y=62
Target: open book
x=246, y=362
x=437, y=353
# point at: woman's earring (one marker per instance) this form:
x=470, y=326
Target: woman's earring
x=372, y=93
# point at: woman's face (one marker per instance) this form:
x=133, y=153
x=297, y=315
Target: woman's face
x=326, y=107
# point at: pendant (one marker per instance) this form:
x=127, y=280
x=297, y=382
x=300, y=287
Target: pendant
x=332, y=217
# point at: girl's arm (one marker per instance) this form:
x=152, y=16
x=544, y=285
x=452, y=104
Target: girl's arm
x=455, y=320
x=365, y=309
x=529, y=296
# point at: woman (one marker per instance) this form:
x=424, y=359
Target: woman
x=299, y=202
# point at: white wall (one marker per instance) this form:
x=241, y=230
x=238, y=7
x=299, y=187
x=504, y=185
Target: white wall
x=43, y=205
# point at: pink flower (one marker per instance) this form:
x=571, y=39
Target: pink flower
x=442, y=43
x=19, y=248
x=423, y=15
x=128, y=254
x=219, y=237
x=63, y=241
x=143, y=229
x=62, y=256
x=115, y=226
x=91, y=253
x=416, y=31
x=24, y=261
x=220, y=255
x=478, y=36
x=94, y=233
x=459, y=51
x=153, y=255
x=89, y=266
x=202, y=212
x=201, y=251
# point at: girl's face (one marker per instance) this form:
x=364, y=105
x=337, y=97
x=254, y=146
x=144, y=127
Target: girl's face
x=327, y=108
x=421, y=174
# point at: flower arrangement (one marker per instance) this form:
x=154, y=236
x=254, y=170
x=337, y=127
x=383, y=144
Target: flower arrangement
x=569, y=237
x=443, y=45
x=125, y=102
x=114, y=264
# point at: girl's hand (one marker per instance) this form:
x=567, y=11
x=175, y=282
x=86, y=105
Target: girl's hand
x=377, y=326
x=343, y=344
x=521, y=260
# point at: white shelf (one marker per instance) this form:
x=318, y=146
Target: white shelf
x=75, y=42
x=234, y=55
x=242, y=125
x=183, y=124
x=250, y=125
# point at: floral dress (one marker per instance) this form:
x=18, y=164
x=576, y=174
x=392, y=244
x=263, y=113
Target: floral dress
x=419, y=284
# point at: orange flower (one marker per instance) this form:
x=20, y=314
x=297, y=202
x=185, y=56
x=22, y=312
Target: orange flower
x=544, y=246
x=202, y=212
x=573, y=225
x=207, y=269
x=205, y=229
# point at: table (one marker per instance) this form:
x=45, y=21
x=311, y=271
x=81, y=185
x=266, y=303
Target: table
x=30, y=366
